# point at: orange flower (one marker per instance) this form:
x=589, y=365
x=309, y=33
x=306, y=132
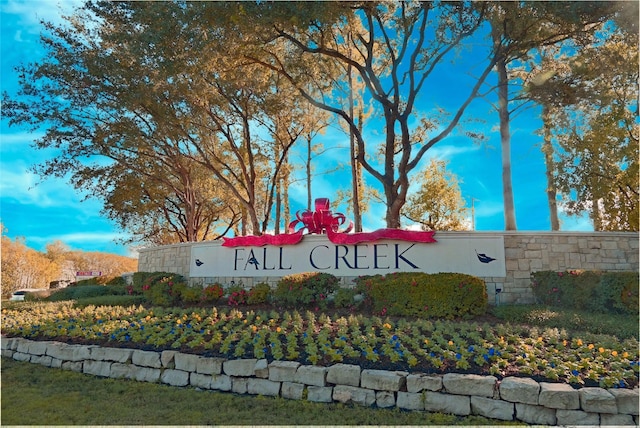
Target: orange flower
x=579, y=342
x=601, y=349
x=590, y=346
x=451, y=343
x=614, y=353
x=278, y=330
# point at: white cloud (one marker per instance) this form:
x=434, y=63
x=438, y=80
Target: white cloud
x=79, y=238
x=26, y=188
x=447, y=152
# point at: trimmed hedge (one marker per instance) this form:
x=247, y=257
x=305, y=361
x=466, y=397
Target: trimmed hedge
x=309, y=289
x=605, y=292
x=441, y=295
x=86, y=291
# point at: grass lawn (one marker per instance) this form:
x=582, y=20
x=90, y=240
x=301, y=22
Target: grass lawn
x=36, y=395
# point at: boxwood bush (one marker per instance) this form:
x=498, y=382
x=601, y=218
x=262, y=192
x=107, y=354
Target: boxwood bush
x=310, y=290
x=259, y=293
x=604, y=292
x=422, y=295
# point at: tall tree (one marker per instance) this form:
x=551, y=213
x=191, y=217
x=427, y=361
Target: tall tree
x=570, y=92
x=154, y=97
x=156, y=205
x=517, y=28
x=397, y=46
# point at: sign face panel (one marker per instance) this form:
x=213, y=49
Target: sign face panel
x=87, y=274
x=481, y=256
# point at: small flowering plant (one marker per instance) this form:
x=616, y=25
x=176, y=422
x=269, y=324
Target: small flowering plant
x=212, y=293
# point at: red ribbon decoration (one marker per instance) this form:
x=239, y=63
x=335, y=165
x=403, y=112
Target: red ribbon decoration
x=321, y=221
x=397, y=234
x=260, y=241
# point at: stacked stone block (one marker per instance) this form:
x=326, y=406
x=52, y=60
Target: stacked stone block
x=511, y=398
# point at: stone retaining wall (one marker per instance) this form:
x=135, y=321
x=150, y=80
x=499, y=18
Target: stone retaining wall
x=525, y=252
x=512, y=398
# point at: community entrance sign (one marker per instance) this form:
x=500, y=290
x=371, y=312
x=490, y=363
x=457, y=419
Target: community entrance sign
x=327, y=249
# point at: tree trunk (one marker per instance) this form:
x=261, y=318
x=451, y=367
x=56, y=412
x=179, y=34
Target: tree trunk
x=547, y=150
x=286, y=209
x=308, y=172
x=355, y=182
x=278, y=207
x=505, y=144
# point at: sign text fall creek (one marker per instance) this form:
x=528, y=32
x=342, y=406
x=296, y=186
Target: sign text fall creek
x=384, y=256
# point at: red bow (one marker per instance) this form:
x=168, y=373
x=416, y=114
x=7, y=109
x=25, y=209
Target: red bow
x=321, y=220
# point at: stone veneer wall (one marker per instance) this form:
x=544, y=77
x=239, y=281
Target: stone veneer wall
x=525, y=252
x=509, y=399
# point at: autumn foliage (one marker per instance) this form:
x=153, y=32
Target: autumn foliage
x=24, y=267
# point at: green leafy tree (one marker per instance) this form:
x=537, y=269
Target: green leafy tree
x=598, y=138
x=438, y=202
x=107, y=110
x=139, y=105
x=589, y=98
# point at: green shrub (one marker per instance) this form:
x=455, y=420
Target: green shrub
x=139, y=278
x=620, y=292
x=86, y=291
x=309, y=289
x=117, y=280
x=84, y=283
x=98, y=280
x=161, y=288
x=604, y=292
x=259, y=293
x=422, y=295
x=190, y=295
x=345, y=298
x=212, y=293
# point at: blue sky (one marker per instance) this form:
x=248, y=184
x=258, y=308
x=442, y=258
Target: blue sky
x=50, y=210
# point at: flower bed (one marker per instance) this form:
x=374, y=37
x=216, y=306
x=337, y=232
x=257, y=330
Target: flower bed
x=311, y=338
